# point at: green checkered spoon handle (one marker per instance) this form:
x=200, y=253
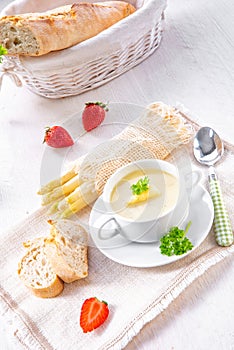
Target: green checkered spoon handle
x=208, y=149
x=222, y=224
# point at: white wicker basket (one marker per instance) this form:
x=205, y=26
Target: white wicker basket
x=95, y=61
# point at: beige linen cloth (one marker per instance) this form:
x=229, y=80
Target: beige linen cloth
x=50, y=324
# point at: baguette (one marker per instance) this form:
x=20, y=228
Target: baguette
x=36, y=272
x=36, y=34
x=66, y=249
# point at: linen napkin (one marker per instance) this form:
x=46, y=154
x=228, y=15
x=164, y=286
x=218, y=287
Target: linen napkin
x=35, y=323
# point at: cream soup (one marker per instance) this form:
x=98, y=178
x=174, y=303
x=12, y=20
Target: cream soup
x=161, y=197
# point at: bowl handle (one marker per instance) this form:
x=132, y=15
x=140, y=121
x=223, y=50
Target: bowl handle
x=111, y=232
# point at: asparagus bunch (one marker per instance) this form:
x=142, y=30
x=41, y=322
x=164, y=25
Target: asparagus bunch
x=68, y=194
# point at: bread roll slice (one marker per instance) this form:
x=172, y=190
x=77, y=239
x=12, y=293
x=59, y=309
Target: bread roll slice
x=36, y=272
x=66, y=249
x=36, y=34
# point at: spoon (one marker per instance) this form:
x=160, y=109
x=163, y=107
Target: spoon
x=208, y=149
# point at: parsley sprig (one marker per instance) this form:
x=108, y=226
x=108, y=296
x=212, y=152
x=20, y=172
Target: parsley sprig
x=141, y=186
x=3, y=52
x=175, y=242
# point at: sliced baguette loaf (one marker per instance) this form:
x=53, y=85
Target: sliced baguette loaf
x=66, y=249
x=36, y=272
x=36, y=34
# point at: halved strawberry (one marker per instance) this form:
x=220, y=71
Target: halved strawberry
x=57, y=137
x=93, y=313
x=93, y=114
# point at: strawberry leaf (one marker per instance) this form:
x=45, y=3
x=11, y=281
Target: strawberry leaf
x=98, y=103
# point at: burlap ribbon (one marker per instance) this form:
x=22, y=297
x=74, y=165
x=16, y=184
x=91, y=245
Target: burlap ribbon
x=7, y=68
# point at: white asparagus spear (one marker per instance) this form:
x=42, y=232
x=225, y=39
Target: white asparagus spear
x=85, y=191
x=79, y=204
x=50, y=186
x=53, y=208
x=73, y=208
x=61, y=191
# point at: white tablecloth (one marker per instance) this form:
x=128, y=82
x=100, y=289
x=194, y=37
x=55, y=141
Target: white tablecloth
x=195, y=66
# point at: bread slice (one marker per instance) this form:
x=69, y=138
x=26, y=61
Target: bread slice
x=36, y=272
x=66, y=249
x=36, y=34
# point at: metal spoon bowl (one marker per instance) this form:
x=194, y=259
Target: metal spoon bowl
x=208, y=149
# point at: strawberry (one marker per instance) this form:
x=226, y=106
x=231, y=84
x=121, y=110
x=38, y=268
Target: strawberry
x=93, y=313
x=93, y=114
x=57, y=137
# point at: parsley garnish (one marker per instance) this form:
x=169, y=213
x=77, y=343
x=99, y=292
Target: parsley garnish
x=175, y=242
x=3, y=51
x=141, y=186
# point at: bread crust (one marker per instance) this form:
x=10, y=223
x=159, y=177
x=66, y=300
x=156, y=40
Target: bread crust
x=65, y=26
x=49, y=292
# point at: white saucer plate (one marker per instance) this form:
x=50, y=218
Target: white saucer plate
x=144, y=255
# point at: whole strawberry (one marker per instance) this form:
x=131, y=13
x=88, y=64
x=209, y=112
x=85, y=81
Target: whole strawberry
x=93, y=114
x=57, y=137
x=93, y=313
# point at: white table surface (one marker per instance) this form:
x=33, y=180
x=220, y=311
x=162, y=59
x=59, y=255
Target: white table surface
x=195, y=66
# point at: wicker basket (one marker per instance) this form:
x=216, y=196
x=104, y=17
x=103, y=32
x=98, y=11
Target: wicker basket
x=91, y=63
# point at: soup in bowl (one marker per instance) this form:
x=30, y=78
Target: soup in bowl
x=144, y=199
x=144, y=194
